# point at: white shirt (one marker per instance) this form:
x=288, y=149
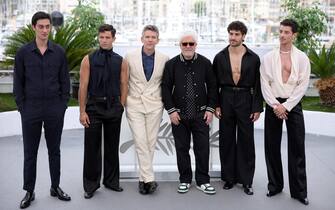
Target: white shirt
x=272, y=83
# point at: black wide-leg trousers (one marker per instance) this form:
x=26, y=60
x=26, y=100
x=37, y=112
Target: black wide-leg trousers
x=93, y=151
x=236, y=141
x=296, y=151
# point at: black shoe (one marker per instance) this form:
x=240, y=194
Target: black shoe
x=114, y=188
x=88, y=195
x=151, y=186
x=272, y=193
x=302, y=200
x=248, y=189
x=58, y=192
x=28, y=198
x=141, y=188
x=228, y=185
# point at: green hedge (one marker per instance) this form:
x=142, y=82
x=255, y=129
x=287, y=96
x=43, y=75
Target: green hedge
x=7, y=103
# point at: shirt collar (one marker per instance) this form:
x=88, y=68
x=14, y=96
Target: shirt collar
x=247, y=49
x=145, y=55
x=103, y=51
x=33, y=46
x=195, y=56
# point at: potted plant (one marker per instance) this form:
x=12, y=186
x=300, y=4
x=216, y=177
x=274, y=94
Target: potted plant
x=323, y=66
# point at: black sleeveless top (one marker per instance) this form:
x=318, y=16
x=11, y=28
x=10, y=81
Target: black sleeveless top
x=105, y=69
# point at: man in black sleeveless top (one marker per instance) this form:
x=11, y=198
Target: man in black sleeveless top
x=102, y=95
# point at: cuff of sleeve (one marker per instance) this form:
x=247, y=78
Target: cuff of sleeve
x=19, y=108
x=288, y=106
x=173, y=109
x=210, y=109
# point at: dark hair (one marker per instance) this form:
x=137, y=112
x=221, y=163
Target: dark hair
x=237, y=26
x=107, y=27
x=38, y=16
x=291, y=23
x=150, y=28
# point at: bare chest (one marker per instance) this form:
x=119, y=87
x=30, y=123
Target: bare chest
x=236, y=62
x=286, y=66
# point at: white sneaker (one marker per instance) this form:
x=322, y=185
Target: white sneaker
x=184, y=187
x=207, y=188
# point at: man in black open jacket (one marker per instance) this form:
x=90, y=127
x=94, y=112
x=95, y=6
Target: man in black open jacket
x=189, y=96
x=237, y=71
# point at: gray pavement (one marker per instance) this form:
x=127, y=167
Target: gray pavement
x=320, y=154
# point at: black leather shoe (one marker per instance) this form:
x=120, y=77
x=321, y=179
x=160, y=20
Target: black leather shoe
x=88, y=195
x=28, y=198
x=58, y=192
x=248, y=189
x=272, y=193
x=302, y=200
x=141, y=188
x=228, y=185
x=151, y=186
x=115, y=188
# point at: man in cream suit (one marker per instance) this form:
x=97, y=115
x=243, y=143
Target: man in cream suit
x=144, y=106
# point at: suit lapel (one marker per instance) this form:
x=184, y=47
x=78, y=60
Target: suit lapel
x=139, y=64
x=156, y=65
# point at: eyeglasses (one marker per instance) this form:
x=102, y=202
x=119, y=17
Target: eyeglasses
x=191, y=44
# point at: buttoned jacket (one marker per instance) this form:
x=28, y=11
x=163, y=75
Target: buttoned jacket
x=142, y=92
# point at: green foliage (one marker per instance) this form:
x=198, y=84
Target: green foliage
x=77, y=36
x=323, y=63
x=14, y=42
x=76, y=43
x=87, y=18
x=314, y=104
x=200, y=8
x=312, y=23
x=7, y=102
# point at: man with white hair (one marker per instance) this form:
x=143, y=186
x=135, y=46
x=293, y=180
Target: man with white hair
x=189, y=96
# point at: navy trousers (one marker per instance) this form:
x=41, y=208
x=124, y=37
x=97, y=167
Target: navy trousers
x=36, y=113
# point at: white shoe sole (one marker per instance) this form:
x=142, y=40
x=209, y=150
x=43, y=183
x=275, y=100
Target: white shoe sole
x=206, y=192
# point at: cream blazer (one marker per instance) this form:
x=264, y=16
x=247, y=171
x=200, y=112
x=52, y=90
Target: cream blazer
x=143, y=93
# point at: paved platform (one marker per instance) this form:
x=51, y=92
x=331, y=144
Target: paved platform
x=320, y=154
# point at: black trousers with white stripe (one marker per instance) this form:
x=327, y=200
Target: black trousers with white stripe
x=182, y=137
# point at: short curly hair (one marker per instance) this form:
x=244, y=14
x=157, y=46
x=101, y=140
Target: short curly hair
x=237, y=26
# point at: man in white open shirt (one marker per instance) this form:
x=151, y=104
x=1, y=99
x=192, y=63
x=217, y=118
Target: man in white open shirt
x=284, y=80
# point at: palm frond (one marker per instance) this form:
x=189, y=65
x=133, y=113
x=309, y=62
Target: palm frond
x=76, y=43
x=323, y=62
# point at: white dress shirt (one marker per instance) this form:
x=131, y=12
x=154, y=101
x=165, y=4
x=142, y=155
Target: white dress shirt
x=272, y=83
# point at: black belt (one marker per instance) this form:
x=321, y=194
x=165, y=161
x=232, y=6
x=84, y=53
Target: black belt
x=235, y=88
x=104, y=98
